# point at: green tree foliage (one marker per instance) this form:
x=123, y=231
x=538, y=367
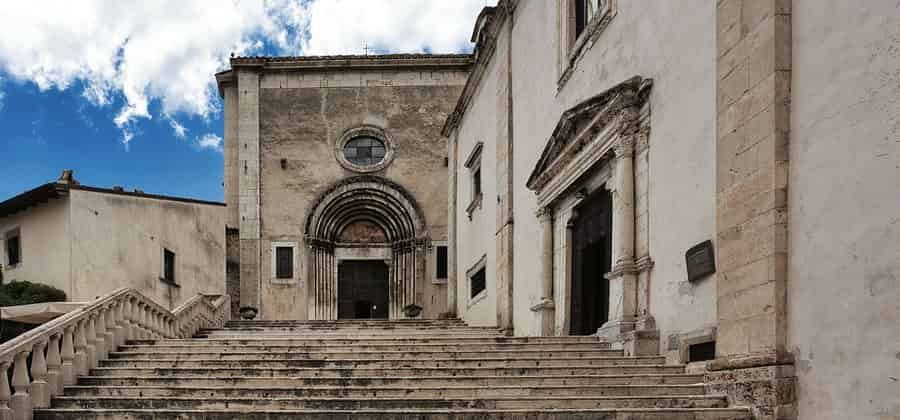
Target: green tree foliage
x=24, y=293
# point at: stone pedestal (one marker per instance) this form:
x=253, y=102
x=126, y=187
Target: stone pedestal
x=765, y=383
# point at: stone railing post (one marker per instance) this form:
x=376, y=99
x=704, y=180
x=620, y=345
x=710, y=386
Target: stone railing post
x=54, y=366
x=90, y=336
x=81, y=361
x=110, y=335
x=20, y=402
x=122, y=320
x=40, y=394
x=5, y=412
x=67, y=352
x=100, y=331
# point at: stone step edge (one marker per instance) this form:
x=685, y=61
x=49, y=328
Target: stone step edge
x=380, y=387
x=737, y=411
x=382, y=399
x=418, y=368
x=235, y=353
x=392, y=378
x=485, y=359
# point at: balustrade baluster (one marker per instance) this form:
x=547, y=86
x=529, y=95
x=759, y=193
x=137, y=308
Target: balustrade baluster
x=90, y=336
x=20, y=402
x=124, y=325
x=40, y=394
x=110, y=336
x=5, y=412
x=100, y=330
x=68, y=356
x=54, y=366
x=81, y=361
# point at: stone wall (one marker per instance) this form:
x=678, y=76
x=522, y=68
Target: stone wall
x=302, y=115
x=44, y=241
x=844, y=200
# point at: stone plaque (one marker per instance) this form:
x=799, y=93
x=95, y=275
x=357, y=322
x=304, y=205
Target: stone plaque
x=700, y=261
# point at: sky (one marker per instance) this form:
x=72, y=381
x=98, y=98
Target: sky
x=123, y=93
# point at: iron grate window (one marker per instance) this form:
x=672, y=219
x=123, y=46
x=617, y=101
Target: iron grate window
x=441, y=262
x=477, y=282
x=284, y=262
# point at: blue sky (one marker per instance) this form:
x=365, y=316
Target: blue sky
x=126, y=96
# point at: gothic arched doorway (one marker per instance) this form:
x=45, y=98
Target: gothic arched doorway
x=363, y=233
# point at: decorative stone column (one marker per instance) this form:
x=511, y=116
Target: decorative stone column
x=545, y=309
x=623, y=277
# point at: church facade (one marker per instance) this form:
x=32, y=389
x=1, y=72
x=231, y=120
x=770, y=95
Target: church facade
x=713, y=181
x=336, y=184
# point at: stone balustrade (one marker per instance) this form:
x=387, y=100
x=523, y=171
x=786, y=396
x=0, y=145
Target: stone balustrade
x=74, y=343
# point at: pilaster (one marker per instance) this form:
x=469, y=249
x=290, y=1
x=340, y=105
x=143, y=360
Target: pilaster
x=248, y=179
x=753, y=128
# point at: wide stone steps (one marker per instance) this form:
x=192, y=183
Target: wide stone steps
x=349, y=354
x=450, y=363
x=385, y=392
x=402, y=414
x=498, y=403
x=391, y=381
x=380, y=370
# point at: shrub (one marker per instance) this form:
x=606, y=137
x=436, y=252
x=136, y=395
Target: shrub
x=24, y=293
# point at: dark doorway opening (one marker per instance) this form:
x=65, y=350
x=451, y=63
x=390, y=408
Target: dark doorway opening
x=591, y=260
x=362, y=290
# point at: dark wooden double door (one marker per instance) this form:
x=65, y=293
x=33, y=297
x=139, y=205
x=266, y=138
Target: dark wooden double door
x=591, y=260
x=362, y=289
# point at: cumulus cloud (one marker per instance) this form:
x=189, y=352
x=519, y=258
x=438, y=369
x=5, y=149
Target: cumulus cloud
x=210, y=141
x=137, y=53
x=347, y=26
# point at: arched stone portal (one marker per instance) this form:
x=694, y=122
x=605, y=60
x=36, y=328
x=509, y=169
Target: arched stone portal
x=366, y=217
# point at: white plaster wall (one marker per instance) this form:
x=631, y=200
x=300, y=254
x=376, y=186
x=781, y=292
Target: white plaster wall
x=45, y=248
x=673, y=43
x=117, y=241
x=844, y=201
x=476, y=236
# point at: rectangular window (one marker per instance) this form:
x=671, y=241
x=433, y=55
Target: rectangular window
x=584, y=12
x=477, y=282
x=476, y=182
x=168, y=266
x=284, y=262
x=441, y=252
x=13, y=249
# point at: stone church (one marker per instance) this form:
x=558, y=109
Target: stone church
x=336, y=184
x=709, y=181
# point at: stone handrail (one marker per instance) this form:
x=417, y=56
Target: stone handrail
x=74, y=343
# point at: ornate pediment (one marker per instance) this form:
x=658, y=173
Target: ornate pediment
x=580, y=124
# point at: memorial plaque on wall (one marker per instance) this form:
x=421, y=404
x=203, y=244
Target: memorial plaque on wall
x=700, y=261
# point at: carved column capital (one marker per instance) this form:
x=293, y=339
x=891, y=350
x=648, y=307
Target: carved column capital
x=624, y=148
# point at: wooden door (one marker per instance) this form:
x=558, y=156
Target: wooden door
x=362, y=289
x=591, y=260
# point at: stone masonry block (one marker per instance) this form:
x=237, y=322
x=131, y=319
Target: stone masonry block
x=728, y=25
x=747, y=303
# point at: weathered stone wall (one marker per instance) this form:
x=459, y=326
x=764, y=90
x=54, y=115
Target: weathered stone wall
x=44, y=242
x=302, y=115
x=117, y=241
x=844, y=200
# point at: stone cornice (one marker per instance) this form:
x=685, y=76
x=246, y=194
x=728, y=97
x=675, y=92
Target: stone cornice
x=487, y=27
x=458, y=62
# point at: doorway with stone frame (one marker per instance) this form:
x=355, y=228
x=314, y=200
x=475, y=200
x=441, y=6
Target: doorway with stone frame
x=591, y=260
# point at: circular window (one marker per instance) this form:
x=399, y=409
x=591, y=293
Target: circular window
x=364, y=149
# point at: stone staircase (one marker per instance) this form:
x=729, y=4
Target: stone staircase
x=412, y=369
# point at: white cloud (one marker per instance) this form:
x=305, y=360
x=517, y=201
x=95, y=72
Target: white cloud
x=169, y=50
x=142, y=51
x=346, y=26
x=210, y=141
x=179, y=129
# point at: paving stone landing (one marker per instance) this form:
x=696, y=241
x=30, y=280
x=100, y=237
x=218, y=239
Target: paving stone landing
x=380, y=370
